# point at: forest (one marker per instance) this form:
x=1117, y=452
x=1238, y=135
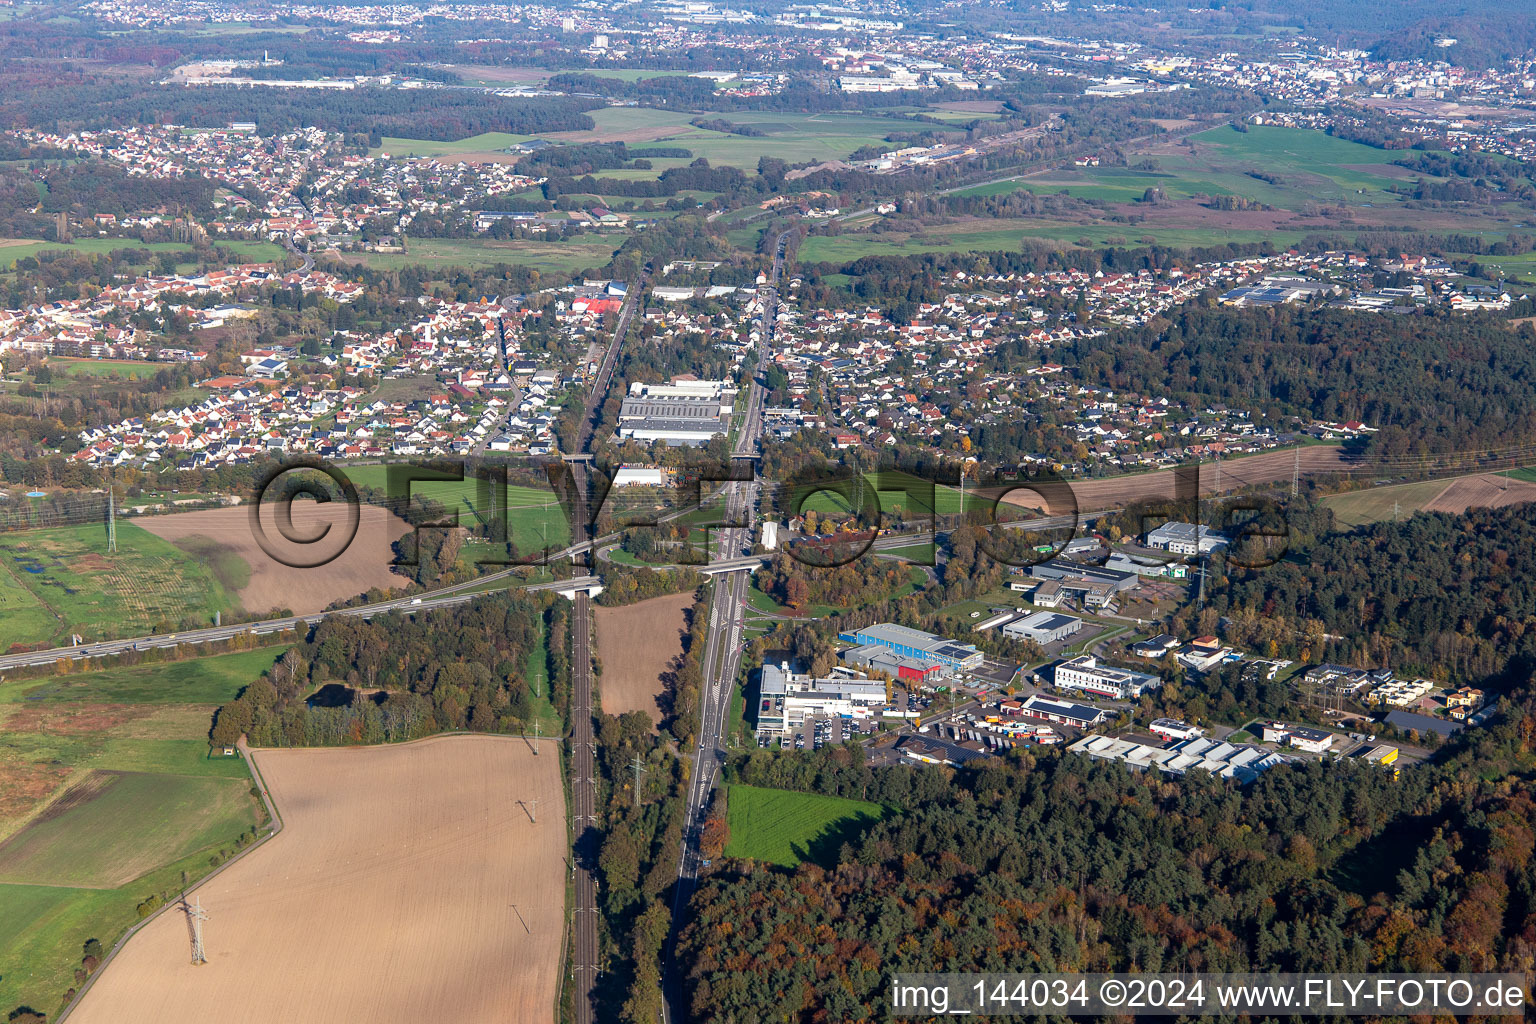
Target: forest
x=1448, y=596
x=1055, y=862
x=463, y=667
x=1436, y=384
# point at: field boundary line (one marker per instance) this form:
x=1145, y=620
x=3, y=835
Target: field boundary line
x=276, y=826
x=247, y=753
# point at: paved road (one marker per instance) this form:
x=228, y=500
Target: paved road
x=723, y=647
x=584, y=948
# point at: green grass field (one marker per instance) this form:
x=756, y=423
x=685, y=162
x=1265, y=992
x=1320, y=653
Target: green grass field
x=534, y=517
x=262, y=252
x=1009, y=235
x=1308, y=166
x=110, y=828
x=783, y=827
x=923, y=553
x=211, y=680
x=487, y=142
x=897, y=492
x=136, y=798
x=127, y=369
x=793, y=137
x=553, y=257
x=1375, y=504
x=148, y=584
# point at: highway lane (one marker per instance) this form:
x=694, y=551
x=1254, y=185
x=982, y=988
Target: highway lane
x=723, y=648
x=735, y=553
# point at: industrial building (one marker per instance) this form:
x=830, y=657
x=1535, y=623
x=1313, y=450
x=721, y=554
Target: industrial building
x=1277, y=291
x=1063, y=712
x=1229, y=761
x=1312, y=740
x=680, y=413
x=1084, y=673
x=1185, y=539
x=915, y=643
x=788, y=698
x=875, y=658
x=1043, y=627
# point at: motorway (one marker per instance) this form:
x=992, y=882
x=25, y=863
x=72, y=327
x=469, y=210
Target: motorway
x=723, y=647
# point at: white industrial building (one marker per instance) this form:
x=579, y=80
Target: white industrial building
x=1042, y=627
x=1185, y=539
x=640, y=476
x=685, y=412
x=1312, y=740
x=788, y=698
x=1084, y=673
x=1227, y=760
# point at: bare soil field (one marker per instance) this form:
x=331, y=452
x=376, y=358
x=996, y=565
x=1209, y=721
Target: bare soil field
x=1486, y=490
x=1157, y=485
x=971, y=106
x=408, y=884
x=638, y=644
x=364, y=564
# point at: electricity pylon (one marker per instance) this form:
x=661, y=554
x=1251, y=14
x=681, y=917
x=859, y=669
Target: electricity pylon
x=196, y=915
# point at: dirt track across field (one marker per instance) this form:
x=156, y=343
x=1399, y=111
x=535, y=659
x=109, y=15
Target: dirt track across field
x=1158, y=485
x=637, y=644
x=1486, y=490
x=407, y=885
x=364, y=564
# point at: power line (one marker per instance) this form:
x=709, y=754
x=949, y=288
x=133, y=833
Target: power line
x=196, y=915
x=639, y=769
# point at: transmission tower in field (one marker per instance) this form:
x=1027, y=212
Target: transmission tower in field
x=196, y=915
x=111, y=519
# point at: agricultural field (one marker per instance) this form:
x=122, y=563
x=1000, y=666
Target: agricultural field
x=553, y=257
x=1289, y=169
x=535, y=516
x=638, y=644
x=1261, y=468
x=1454, y=495
x=226, y=548
x=784, y=827
x=149, y=585
x=372, y=837
x=1381, y=503
x=111, y=827
x=107, y=792
x=15, y=249
x=793, y=137
x=486, y=142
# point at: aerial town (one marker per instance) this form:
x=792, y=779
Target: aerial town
x=670, y=511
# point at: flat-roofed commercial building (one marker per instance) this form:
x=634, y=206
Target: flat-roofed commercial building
x=789, y=698
x=1043, y=627
x=680, y=413
x=915, y=643
x=1086, y=674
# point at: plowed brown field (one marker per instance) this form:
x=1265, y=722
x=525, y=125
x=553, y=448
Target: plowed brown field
x=364, y=564
x=637, y=644
x=408, y=884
